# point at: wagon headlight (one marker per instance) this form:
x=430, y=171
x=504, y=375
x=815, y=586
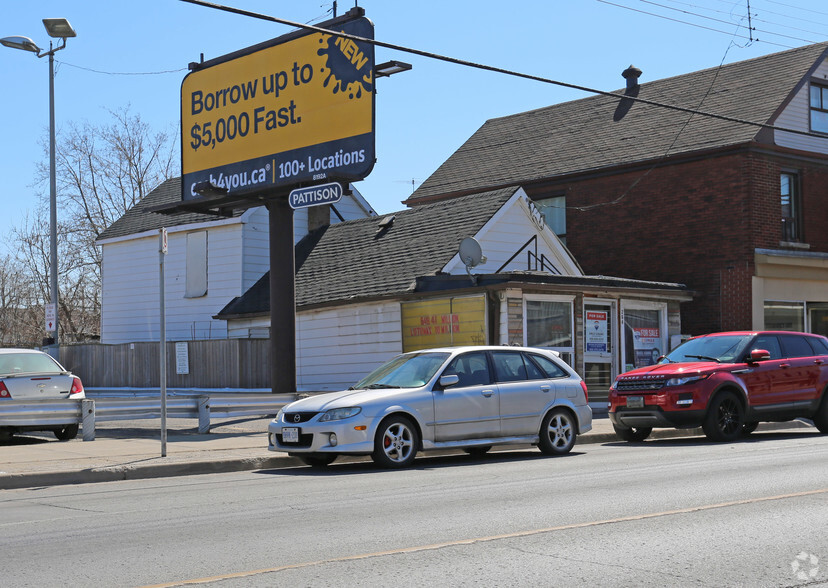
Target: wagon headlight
x=684, y=380
x=337, y=414
x=279, y=415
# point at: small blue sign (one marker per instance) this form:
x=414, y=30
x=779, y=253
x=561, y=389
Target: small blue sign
x=315, y=195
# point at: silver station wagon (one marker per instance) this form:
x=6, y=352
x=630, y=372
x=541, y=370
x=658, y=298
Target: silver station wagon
x=469, y=398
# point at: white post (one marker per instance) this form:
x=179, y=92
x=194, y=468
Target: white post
x=162, y=252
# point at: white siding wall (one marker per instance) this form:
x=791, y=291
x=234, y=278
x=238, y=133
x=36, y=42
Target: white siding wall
x=130, y=293
x=797, y=116
x=335, y=348
x=256, y=246
x=505, y=234
x=130, y=300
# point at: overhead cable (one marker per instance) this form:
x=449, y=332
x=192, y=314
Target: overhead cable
x=491, y=68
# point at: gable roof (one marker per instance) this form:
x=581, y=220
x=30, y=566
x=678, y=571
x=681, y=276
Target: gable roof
x=139, y=218
x=601, y=131
x=361, y=259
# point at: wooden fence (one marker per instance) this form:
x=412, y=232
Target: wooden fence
x=225, y=363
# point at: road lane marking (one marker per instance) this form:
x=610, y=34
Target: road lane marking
x=472, y=541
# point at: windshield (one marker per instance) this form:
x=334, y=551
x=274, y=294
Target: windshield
x=721, y=349
x=27, y=363
x=404, y=371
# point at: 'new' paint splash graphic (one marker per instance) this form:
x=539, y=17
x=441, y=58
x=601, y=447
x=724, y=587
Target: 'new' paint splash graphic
x=347, y=66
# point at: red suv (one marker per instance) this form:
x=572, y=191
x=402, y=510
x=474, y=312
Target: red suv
x=726, y=383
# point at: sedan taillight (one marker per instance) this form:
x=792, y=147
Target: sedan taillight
x=4, y=392
x=77, y=387
x=586, y=392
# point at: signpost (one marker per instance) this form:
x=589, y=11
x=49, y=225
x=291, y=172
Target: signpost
x=51, y=316
x=315, y=195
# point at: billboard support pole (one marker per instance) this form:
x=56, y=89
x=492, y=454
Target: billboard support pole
x=282, y=297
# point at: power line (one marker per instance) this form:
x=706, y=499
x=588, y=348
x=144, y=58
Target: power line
x=491, y=68
x=123, y=73
x=698, y=26
x=724, y=21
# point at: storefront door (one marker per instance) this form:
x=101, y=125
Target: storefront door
x=599, y=350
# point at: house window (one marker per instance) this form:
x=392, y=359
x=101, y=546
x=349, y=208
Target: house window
x=554, y=214
x=789, y=198
x=196, y=283
x=819, y=108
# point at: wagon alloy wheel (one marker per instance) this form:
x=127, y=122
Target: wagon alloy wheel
x=396, y=443
x=724, y=418
x=557, y=434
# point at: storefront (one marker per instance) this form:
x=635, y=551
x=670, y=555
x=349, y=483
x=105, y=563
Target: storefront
x=790, y=291
x=600, y=326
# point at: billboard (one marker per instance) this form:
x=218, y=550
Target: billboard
x=294, y=110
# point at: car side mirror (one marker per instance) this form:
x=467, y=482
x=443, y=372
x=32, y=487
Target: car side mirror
x=449, y=380
x=757, y=355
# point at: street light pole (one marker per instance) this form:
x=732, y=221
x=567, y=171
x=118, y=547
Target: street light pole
x=56, y=28
x=53, y=263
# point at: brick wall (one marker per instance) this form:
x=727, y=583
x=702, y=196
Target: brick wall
x=695, y=223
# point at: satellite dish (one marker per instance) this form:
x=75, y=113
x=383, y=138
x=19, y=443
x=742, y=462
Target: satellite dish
x=471, y=253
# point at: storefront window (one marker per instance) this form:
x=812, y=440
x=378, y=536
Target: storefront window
x=784, y=316
x=818, y=317
x=549, y=324
x=644, y=336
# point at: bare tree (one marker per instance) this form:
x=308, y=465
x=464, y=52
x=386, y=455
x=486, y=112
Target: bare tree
x=102, y=170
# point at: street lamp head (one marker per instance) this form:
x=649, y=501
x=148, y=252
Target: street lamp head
x=59, y=28
x=24, y=43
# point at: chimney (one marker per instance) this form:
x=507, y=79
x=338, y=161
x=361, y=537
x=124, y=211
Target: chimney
x=318, y=216
x=631, y=74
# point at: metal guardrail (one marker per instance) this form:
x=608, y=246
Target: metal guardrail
x=86, y=412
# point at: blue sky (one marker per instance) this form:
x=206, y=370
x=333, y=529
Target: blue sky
x=422, y=115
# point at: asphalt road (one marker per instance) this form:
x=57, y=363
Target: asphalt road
x=672, y=512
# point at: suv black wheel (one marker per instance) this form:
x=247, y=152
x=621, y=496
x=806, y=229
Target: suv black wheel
x=725, y=418
x=821, y=416
x=632, y=434
x=749, y=428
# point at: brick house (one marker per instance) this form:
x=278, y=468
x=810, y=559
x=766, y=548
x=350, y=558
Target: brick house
x=735, y=211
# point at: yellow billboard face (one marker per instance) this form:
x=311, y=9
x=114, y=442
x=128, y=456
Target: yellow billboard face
x=298, y=109
x=443, y=322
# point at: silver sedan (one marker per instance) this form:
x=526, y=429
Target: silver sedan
x=469, y=398
x=30, y=376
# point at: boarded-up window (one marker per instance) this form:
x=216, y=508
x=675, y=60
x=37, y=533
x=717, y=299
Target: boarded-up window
x=196, y=265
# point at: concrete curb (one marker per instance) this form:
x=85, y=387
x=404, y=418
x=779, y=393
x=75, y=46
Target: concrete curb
x=203, y=466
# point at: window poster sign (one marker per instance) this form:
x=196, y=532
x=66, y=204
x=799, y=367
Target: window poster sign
x=642, y=338
x=647, y=346
x=596, y=332
x=442, y=322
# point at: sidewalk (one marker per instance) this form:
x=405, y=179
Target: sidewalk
x=132, y=450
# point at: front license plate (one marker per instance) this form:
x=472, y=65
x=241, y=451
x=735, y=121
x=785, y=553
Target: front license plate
x=290, y=435
x=635, y=402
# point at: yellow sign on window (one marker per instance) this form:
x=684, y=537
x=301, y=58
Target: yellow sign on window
x=444, y=322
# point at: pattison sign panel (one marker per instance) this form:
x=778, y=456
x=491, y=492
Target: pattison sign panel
x=297, y=109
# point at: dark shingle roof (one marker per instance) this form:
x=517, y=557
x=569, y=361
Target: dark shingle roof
x=357, y=259
x=139, y=219
x=600, y=132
